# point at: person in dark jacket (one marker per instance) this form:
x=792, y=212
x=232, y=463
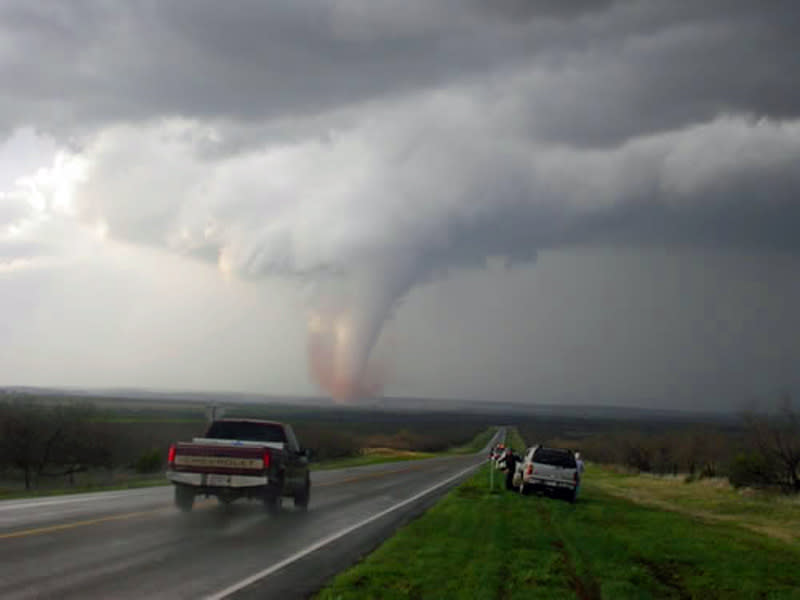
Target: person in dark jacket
x=511, y=461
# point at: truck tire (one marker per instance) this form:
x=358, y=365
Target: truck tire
x=524, y=489
x=184, y=498
x=302, y=497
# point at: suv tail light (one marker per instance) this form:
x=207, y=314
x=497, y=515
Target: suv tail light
x=266, y=459
x=171, y=455
x=575, y=477
x=530, y=470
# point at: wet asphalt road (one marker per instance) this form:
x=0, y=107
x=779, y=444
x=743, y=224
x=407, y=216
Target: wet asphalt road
x=135, y=544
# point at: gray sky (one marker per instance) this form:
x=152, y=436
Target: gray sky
x=585, y=202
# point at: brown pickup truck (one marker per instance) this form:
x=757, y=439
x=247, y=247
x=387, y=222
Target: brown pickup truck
x=241, y=458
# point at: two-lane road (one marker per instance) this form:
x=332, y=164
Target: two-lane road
x=135, y=544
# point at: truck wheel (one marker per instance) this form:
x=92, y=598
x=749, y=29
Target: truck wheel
x=524, y=490
x=572, y=496
x=184, y=498
x=301, y=498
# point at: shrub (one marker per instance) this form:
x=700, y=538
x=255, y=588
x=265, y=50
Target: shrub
x=149, y=462
x=753, y=469
x=326, y=442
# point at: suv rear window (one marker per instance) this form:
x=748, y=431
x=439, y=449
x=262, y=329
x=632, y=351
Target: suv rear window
x=247, y=431
x=555, y=458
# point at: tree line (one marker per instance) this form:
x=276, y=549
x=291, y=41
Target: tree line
x=763, y=450
x=51, y=440
x=45, y=441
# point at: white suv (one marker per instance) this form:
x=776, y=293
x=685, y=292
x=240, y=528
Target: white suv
x=550, y=470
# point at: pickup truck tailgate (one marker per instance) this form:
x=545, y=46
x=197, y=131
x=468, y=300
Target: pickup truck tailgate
x=232, y=460
x=551, y=473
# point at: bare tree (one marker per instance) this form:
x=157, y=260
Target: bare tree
x=41, y=440
x=30, y=435
x=638, y=452
x=777, y=440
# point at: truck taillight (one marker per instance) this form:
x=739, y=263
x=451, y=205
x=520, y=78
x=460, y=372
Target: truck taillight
x=575, y=477
x=171, y=454
x=266, y=459
x=530, y=470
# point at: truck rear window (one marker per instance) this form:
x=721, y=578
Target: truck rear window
x=555, y=458
x=246, y=431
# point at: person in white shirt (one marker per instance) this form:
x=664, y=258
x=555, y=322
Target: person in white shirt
x=580, y=467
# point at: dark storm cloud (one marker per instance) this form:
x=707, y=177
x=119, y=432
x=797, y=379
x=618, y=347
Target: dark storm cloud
x=668, y=73
x=516, y=10
x=90, y=63
x=598, y=71
x=381, y=143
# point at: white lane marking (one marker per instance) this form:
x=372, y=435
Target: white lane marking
x=332, y=538
x=17, y=505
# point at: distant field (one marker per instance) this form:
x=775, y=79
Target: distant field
x=333, y=432
x=481, y=544
x=138, y=431
x=373, y=456
x=477, y=443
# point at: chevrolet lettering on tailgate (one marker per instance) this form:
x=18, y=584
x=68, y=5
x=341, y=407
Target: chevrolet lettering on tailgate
x=227, y=462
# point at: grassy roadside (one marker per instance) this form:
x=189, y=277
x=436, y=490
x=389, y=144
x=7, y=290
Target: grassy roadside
x=478, y=544
x=772, y=514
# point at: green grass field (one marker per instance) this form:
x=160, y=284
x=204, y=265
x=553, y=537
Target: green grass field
x=713, y=500
x=481, y=544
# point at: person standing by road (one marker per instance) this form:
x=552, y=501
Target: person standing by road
x=511, y=461
x=579, y=466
